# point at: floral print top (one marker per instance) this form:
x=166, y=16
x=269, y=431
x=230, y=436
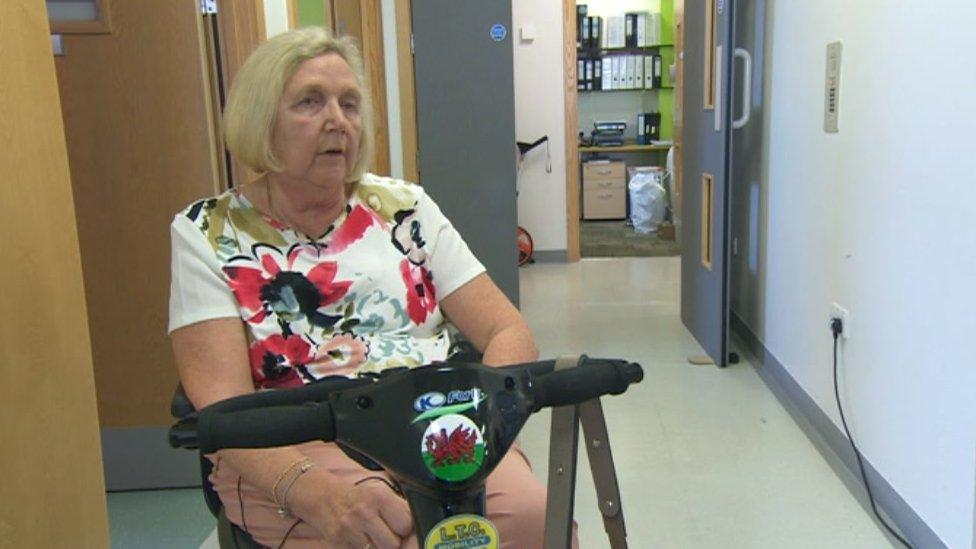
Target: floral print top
x=361, y=298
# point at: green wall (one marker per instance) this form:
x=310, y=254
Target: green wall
x=311, y=12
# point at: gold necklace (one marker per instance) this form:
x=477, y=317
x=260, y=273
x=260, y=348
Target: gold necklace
x=271, y=209
x=282, y=219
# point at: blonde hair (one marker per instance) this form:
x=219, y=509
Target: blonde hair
x=252, y=105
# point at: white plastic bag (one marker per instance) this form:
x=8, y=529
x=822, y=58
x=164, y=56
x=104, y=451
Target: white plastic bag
x=647, y=199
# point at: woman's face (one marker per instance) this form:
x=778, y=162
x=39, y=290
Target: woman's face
x=317, y=132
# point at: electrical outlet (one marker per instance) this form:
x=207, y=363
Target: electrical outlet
x=836, y=311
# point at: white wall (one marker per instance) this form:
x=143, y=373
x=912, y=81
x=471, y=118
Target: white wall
x=879, y=218
x=275, y=17
x=390, y=70
x=539, y=111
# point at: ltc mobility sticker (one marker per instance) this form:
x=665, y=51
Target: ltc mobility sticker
x=463, y=532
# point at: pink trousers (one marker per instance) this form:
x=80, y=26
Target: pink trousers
x=515, y=503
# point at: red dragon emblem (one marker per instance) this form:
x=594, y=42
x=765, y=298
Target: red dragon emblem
x=453, y=448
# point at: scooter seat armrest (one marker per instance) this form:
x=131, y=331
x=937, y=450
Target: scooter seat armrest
x=180, y=406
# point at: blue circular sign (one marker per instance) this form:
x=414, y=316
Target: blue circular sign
x=429, y=401
x=498, y=32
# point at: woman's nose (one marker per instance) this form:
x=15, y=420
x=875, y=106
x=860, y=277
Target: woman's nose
x=335, y=119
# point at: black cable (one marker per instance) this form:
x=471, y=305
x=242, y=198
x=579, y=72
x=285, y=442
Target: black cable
x=288, y=533
x=396, y=489
x=836, y=327
x=240, y=500
x=294, y=524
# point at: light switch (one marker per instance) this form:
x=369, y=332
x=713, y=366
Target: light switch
x=57, y=45
x=527, y=33
x=832, y=87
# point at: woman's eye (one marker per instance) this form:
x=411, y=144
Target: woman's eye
x=350, y=106
x=308, y=101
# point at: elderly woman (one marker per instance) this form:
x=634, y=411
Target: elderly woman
x=316, y=269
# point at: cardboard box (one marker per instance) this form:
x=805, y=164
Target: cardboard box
x=666, y=231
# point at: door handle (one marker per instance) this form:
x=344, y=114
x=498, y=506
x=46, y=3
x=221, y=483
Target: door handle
x=746, y=88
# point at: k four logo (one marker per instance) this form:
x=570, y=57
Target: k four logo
x=431, y=404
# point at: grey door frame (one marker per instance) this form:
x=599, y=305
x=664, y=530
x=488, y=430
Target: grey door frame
x=746, y=160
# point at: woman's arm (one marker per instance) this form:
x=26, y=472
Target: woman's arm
x=212, y=359
x=213, y=365
x=490, y=322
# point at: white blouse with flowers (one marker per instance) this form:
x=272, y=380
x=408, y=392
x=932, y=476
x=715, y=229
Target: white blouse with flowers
x=362, y=298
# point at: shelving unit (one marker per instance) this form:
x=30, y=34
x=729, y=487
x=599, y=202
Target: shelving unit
x=627, y=147
x=623, y=91
x=638, y=49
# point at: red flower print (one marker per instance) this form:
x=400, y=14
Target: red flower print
x=421, y=297
x=323, y=277
x=274, y=359
x=246, y=283
x=271, y=284
x=352, y=229
x=341, y=355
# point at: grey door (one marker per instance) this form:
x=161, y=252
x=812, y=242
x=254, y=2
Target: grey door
x=706, y=100
x=466, y=124
x=746, y=149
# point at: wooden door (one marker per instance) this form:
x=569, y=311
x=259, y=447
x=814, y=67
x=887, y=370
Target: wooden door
x=230, y=36
x=139, y=126
x=407, y=91
x=571, y=109
x=53, y=490
x=362, y=20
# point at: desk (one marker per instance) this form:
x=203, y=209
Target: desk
x=611, y=200
x=629, y=147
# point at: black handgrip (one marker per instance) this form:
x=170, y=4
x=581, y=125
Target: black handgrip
x=264, y=428
x=184, y=433
x=591, y=379
x=536, y=368
x=313, y=392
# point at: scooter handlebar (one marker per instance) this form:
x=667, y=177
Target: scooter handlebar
x=264, y=420
x=591, y=379
x=265, y=427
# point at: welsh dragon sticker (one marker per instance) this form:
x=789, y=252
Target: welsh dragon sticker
x=453, y=448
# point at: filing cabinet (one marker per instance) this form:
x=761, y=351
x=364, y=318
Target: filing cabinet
x=604, y=190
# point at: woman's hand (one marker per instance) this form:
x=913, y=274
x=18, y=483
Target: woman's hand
x=369, y=514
